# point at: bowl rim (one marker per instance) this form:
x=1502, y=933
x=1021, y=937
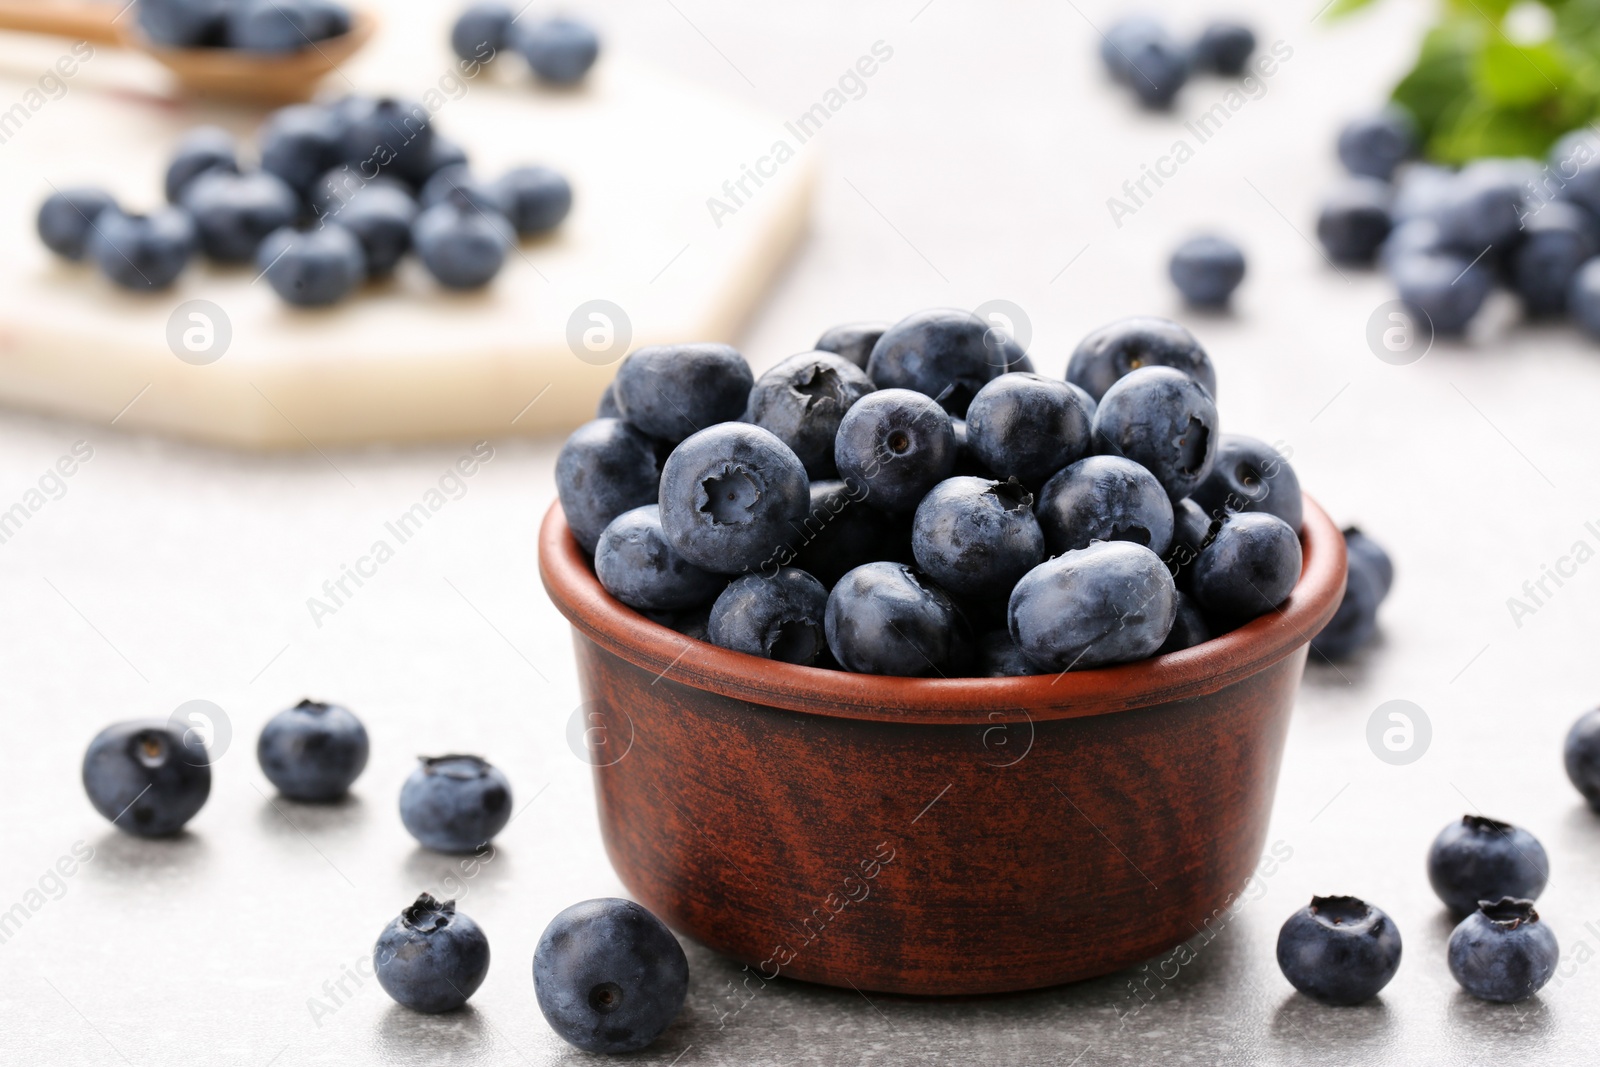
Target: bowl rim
x=1192, y=672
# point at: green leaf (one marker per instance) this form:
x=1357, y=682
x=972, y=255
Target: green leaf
x=1519, y=75
x=1442, y=75
x=1340, y=8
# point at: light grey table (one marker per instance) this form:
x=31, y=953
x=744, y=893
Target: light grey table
x=976, y=166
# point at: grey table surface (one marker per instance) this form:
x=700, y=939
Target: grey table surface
x=976, y=165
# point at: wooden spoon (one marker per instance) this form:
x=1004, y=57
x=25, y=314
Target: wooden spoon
x=226, y=72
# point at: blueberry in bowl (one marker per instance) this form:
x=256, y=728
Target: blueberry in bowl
x=1163, y=420
x=802, y=400
x=147, y=777
x=1124, y=346
x=896, y=444
x=779, y=616
x=946, y=354
x=729, y=495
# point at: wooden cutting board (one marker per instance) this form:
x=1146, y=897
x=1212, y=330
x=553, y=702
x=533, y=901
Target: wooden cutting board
x=405, y=360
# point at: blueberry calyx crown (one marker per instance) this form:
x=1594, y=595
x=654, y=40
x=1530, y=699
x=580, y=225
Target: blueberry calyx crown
x=1508, y=913
x=315, y=707
x=1482, y=824
x=426, y=915
x=1340, y=911
x=455, y=765
x=731, y=495
x=1012, y=494
x=820, y=382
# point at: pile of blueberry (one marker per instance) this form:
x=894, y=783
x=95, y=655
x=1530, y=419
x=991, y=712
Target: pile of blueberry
x=913, y=500
x=272, y=26
x=609, y=976
x=560, y=49
x=1140, y=53
x=1447, y=238
x=342, y=192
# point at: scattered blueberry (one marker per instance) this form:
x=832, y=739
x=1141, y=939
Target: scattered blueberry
x=481, y=31
x=1126, y=345
x=147, y=777
x=1250, y=475
x=1124, y=37
x=431, y=958
x=1163, y=420
x=609, y=976
x=977, y=537
x=605, y=468
x=1479, y=859
x=301, y=143
x=66, y=219
x=729, y=495
x=1582, y=756
x=854, y=341
x=1140, y=54
x=233, y=213
x=1360, y=546
x=1250, y=566
x=1356, y=620
x=1583, y=298
x=1028, y=427
x=1339, y=950
x=897, y=444
x=312, y=268
x=1421, y=191
x=777, y=616
x=1224, y=47
x=462, y=247
x=442, y=153
x=536, y=199
x=385, y=131
x=1503, y=951
x=884, y=618
x=313, y=751
x=1207, y=270
x=458, y=185
x=455, y=803
x=1420, y=236
x=1354, y=220
x=1447, y=289
x=560, y=50
x=946, y=354
x=1372, y=146
x=1112, y=602
x=802, y=400
x=1574, y=163
x=1104, y=498
x=380, y=216
x=1555, y=242
x=637, y=566
x=672, y=391
x=1484, y=207
x=142, y=252
x=202, y=149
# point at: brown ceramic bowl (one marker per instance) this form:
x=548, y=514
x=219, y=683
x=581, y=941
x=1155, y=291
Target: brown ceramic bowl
x=935, y=836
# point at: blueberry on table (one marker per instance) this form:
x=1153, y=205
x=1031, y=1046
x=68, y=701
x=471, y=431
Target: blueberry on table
x=386, y=132
x=1372, y=146
x=781, y=616
x=233, y=213
x=672, y=391
x=1421, y=190
x=455, y=803
x=1112, y=602
x=312, y=268
x=66, y=219
x=300, y=143
x=1163, y=420
x=1485, y=206
x=142, y=252
x=1104, y=498
x=463, y=247
x=1189, y=628
x=201, y=149
x=441, y=153
x=1124, y=37
x=1583, y=297
x=1339, y=950
x=609, y=976
x=1479, y=859
x=1575, y=160
x=802, y=400
x=1503, y=951
x=1028, y=427
x=1207, y=270
x=896, y=444
x=1157, y=68
x=841, y=532
x=1447, y=289
x=1420, y=236
x=1250, y=475
x=380, y=216
x=313, y=751
x=976, y=537
x=999, y=656
x=636, y=565
x=1249, y=568
x=852, y=340
x=1581, y=753
x=458, y=185
x=431, y=958
x=1224, y=47
x=1556, y=241
x=536, y=199
x=480, y=31
x=605, y=468
x=147, y=776
x=1128, y=344
x=943, y=353
x=1356, y=620
x=335, y=189
x=1354, y=220
x=184, y=23
x=560, y=50
x=884, y=618
x=730, y=498
x=1360, y=546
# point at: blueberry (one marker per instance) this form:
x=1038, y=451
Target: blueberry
x=432, y=958
x=536, y=199
x=329, y=19
x=1339, y=950
x=1192, y=527
x=202, y=149
x=275, y=26
x=184, y=23
x=605, y=468
x=1189, y=628
x=312, y=268
x=1123, y=38
x=1028, y=427
x=1163, y=420
x=458, y=185
x=1207, y=270
x=385, y=131
x=331, y=193
x=1503, y=952
x=1249, y=568
x=729, y=495
x=1104, y=498
x=1354, y=220
x=1112, y=602
x=142, y=252
x=560, y=50
x=841, y=532
x=1446, y=289
x=147, y=776
x=1421, y=190
x=977, y=537
x=854, y=341
x=1250, y=475
x=1420, y=236
x=480, y=31
x=802, y=401
x=1583, y=297
x=66, y=218
x=946, y=354
x=1157, y=68
x=233, y=213
x=1556, y=241
x=301, y=143
x=672, y=391
x=1356, y=619
x=1224, y=47
x=1574, y=163
x=1479, y=859
x=637, y=566
x=380, y=216
x=462, y=247
x=999, y=656
x=1360, y=546
x=455, y=803
x=1582, y=756
x=1129, y=344
x=609, y=976
x=896, y=443
x=313, y=751
x=1484, y=208
x=1372, y=146
x=606, y=407
x=778, y=615
x=884, y=618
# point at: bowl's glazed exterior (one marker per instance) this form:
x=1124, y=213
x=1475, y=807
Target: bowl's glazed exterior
x=935, y=836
